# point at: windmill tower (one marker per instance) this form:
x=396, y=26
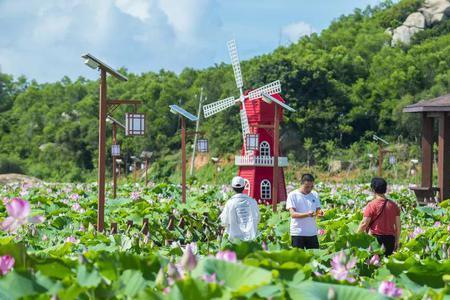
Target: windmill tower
x=256, y=162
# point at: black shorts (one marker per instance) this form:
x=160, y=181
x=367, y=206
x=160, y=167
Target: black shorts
x=388, y=241
x=305, y=242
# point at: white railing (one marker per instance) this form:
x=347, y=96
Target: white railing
x=266, y=161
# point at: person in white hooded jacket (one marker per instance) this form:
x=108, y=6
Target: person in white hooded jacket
x=240, y=216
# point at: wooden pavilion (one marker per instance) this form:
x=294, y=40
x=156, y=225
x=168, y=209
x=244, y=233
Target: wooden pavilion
x=431, y=110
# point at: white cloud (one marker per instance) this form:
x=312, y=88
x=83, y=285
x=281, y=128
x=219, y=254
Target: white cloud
x=51, y=29
x=136, y=8
x=296, y=30
x=44, y=39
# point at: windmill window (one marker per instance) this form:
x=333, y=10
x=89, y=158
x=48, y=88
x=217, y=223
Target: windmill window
x=264, y=149
x=247, y=186
x=266, y=190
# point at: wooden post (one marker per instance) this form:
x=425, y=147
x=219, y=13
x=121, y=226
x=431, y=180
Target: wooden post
x=113, y=228
x=146, y=167
x=276, y=143
x=134, y=172
x=427, y=151
x=129, y=224
x=101, y=151
x=183, y=160
x=197, y=124
x=125, y=167
x=171, y=224
x=114, y=162
x=443, y=157
x=380, y=159
x=145, y=226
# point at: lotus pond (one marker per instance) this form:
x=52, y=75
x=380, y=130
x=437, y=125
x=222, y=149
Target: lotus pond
x=49, y=248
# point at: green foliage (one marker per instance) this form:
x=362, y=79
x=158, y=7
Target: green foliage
x=345, y=83
x=134, y=265
x=10, y=165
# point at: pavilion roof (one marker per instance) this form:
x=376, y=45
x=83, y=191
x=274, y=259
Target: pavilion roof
x=439, y=104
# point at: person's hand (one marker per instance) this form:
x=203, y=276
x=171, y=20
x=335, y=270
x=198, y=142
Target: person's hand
x=320, y=213
x=310, y=213
x=397, y=245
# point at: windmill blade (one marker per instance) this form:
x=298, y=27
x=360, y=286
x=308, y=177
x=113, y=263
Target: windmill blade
x=245, y=127
x=232, y=49
x=271, y=88
x=218, y=106
x=244, y=123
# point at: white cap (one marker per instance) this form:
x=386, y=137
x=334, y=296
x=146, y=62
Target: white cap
x=238, y=182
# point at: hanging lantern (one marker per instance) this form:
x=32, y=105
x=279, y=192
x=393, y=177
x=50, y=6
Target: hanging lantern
x=134, y=124
x=202, y=145
x=115, y=150
x=252, y=141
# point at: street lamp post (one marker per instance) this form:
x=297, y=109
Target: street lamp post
x=175, y=109
x=278, y=105
x=381, y=153
x=146, y=155
x=95, y=63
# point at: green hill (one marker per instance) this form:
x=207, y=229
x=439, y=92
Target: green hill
x=346, y=83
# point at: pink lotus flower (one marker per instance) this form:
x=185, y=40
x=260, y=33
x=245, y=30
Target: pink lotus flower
x=77, y=208
x=437, y=224
x=210, y=278
x=18, y=211
x=6, y=264
x=417, y=231
x=75, y=197
x=175, y=272
x=227, y=255
x=389, y=289
x=264, y=246
x=321, y=231
x=341, y=267
x=374, y=260
x=72, y=240
x=135, y=196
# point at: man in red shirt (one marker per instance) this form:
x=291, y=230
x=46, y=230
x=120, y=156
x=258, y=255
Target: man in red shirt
x=382, y=217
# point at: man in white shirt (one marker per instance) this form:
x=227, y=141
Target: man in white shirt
x=304, y=205
x=240, y=216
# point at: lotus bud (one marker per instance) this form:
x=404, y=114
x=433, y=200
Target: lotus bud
x=172, y=271
x=161, y=280
x=332, y=294
x=189, y=260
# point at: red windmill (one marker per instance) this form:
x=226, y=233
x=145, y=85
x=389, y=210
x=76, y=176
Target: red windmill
x=261, y=111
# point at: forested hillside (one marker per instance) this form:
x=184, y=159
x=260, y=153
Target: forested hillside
x=346, y=83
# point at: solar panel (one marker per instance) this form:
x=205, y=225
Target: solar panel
x=268, y=98
x=175, y=109
x=105, y=66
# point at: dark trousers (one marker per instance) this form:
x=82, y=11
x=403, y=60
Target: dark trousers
x=305, y=242
x=388, y=241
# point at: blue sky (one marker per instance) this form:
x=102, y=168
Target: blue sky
x=43, y=39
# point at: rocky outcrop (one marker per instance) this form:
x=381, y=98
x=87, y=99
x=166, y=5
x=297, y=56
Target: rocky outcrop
x=18, y=179
x=435, y=11
x=432, y=12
